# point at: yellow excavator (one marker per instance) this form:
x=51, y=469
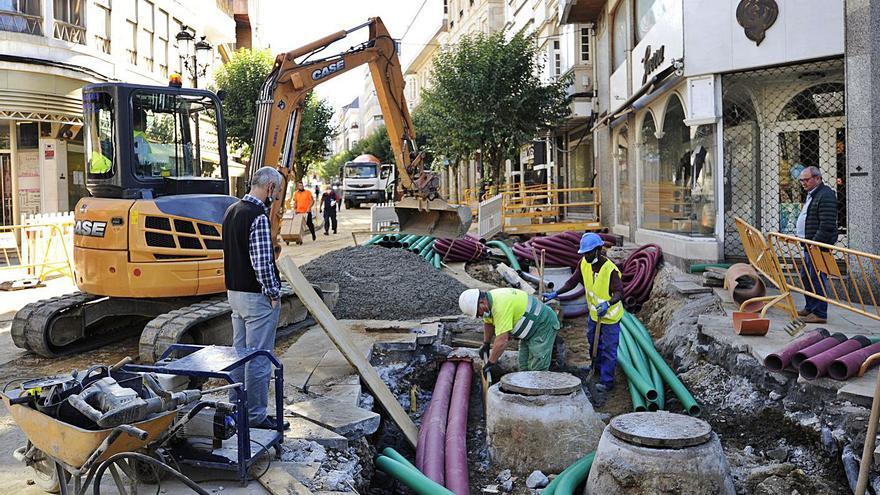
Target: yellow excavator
x=147, y=243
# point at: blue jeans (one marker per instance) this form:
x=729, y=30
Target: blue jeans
x=819, y=282
x=253, y=326
x=606, y=356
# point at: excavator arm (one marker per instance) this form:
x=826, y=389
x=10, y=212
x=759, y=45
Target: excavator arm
x=418, y=204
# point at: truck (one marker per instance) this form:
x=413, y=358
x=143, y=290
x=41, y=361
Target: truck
x=366, y=180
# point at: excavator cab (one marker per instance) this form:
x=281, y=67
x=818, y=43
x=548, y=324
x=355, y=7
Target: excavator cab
x=145, y=142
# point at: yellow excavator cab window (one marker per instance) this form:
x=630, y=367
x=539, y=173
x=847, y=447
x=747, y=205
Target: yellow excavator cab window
x=100, y=118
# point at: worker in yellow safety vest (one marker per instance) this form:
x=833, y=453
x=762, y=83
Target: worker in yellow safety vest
x=512, y=312
x=603, y=287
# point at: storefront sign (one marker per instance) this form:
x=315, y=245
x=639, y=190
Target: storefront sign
x=652, y=61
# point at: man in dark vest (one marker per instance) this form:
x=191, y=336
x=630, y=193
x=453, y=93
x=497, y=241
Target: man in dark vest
x=253, y=287
x=816, y=222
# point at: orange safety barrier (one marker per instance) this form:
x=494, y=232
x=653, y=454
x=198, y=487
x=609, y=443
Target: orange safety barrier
x=36, y=250
x=762, y=258
x=539, y=210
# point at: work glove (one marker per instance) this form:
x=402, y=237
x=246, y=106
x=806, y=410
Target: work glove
x=491, y=371
x=549, y=296
x=484, y=352
x=602, y=308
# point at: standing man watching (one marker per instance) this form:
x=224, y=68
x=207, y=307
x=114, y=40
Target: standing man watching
x=253, y=287
x=604, y=290
x=329, y=200
x=511, y=312
x=302, y=204
x=816, y=222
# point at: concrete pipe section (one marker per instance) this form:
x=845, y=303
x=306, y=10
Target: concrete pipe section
x=540, y=420
x=659, y=453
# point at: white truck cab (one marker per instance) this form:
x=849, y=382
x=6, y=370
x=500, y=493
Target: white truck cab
x=366, y=180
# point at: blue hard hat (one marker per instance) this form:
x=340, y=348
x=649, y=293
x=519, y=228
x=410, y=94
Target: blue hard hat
x=590, y=242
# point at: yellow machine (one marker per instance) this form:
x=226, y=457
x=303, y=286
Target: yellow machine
x=147, y=244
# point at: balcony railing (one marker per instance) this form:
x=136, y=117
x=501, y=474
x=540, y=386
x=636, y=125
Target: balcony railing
x=71, y=33
x=226, y=6
x=102, y=44
x=18, y=22
x=132, y=56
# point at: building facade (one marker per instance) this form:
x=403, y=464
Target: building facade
x=348, y=131
x=51, y=49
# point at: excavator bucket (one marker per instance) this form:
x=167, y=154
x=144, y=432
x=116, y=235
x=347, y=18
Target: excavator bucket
x=434, y=217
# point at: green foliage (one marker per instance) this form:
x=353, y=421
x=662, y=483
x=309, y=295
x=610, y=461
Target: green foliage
x=486, y=96
x=376, y=144
x=241, y=79
x=331, y=167
x=314, y=134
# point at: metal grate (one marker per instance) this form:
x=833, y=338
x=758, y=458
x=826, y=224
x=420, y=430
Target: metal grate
x=155, y=239
x=776, y=122
x=158, y=223
x=184, y=226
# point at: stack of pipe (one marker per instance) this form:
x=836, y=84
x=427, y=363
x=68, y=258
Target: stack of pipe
x=441, y=452
x=559, y=249
x=819, y=353
x=420, y=245
x=647, y=374
x=638, y=275
x=467, y=248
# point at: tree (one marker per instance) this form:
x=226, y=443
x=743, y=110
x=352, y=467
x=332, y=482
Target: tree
x=314, y=135
x=377, y=144
x=486, y=100
x=241, y=80
x=330, y=168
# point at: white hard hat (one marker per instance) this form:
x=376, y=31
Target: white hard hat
x=468, y=301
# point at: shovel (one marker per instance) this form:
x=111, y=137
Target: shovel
x=595, y=350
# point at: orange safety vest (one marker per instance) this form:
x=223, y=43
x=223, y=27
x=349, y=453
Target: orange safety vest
x=302, y=201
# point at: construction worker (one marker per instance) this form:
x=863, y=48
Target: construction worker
x=302, y=204
x=604, y=291
x=142, y=150
x=512, y=312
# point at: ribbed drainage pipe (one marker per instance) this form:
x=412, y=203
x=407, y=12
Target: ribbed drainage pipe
x=848, y=366
x=456, y=431
x=819, y=347
x=433, y=445
x=817, y=365
x=780, y=359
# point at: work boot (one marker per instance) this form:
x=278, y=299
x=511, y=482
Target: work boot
x=811, y=318
x=270, y=424
x=600, y=394
x=326, y=233
x=803, y=312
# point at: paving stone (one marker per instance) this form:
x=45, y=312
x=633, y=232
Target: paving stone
x=540, y=383
x=343, y=392
x=303, y=429
x=346, y=420
x=660, y=429
x=688, y=288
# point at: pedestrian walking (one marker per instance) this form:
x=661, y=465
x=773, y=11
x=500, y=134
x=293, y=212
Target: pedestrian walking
x=253, y=288
x=329, y=201
x=302, y=204
x=509, y=313
x=603, y=287
x=816, y=222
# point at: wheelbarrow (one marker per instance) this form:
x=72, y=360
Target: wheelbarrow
x=60, y=452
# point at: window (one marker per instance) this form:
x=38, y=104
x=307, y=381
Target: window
x=28, y=135
x=619, y=44
x=557, y=60
x=21, y=16
x=99, y=122
x=585, y=45
x=145, y=42
x=101, y=26
x=69, y=23
x=677, y=175
x=171, y=133
x=162, y=45
x=360, y=170
x=624, y=191
x=647, y=13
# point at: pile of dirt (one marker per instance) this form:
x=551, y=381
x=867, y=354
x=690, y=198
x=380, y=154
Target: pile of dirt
x=385, y=284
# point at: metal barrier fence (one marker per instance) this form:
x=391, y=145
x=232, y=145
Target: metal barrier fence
x=36, y=251
x=491, y=217
x=764, y=260
x=843, y=277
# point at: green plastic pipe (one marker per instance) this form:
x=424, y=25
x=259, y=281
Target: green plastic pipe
x=646, y=368
x=638, y=400
x=418, y=246
x=701, y=267
x=874, y=340
x=427, y=248
x=554, y=485
x=632, y=375
x=406, y=239
x=669, y=376
x=413, y=479
x=576, y=476
x=374, y=240
x=397, y=456
x=659, y=386
x=511, y=258
x=436, y=261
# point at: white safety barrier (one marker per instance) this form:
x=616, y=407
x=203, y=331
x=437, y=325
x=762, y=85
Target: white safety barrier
x=490, y=216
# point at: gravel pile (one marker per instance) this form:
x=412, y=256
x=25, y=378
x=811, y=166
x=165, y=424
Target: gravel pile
x=377, y=283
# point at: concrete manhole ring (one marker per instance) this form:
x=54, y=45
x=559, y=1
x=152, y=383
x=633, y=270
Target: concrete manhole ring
x=540, y=383
x=660, y=429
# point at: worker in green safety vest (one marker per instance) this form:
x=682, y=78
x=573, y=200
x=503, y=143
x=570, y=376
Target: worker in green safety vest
x=603, y=288
x=512, y=313
x=142, y=149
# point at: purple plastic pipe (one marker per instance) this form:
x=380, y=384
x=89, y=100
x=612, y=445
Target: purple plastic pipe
x=456, y=432
x=780, y=359
x=819, y=347
x=433, y=459
x=848, y=366
x=817, y=365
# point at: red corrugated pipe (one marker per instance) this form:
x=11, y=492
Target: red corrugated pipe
x=430, y=451
x=456, y=431
x=638, y=275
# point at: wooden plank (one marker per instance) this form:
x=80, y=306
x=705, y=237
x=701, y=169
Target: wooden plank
x=337, y=334
x=279, y=482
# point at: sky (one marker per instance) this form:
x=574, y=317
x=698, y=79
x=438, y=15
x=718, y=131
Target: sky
x=289, y=24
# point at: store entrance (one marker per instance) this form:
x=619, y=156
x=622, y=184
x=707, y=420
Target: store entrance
x=6, y=216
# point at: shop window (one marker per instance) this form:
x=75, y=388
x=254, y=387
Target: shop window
x=821, y=100
x=624, y=190
x=677, y=175
x=28, y=135
x=5, y=141
x=647, y=12
x=619, y=44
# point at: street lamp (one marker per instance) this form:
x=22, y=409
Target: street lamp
x=191, y=57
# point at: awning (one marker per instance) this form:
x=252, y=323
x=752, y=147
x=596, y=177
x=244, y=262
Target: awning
x=650, y=88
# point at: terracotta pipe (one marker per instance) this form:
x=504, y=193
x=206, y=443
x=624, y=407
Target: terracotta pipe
x=849, y=365
x=434, y=422
x=456, y=431
x=817, y=365
x=780, y=359
x=819, y=347
x=734, y=285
